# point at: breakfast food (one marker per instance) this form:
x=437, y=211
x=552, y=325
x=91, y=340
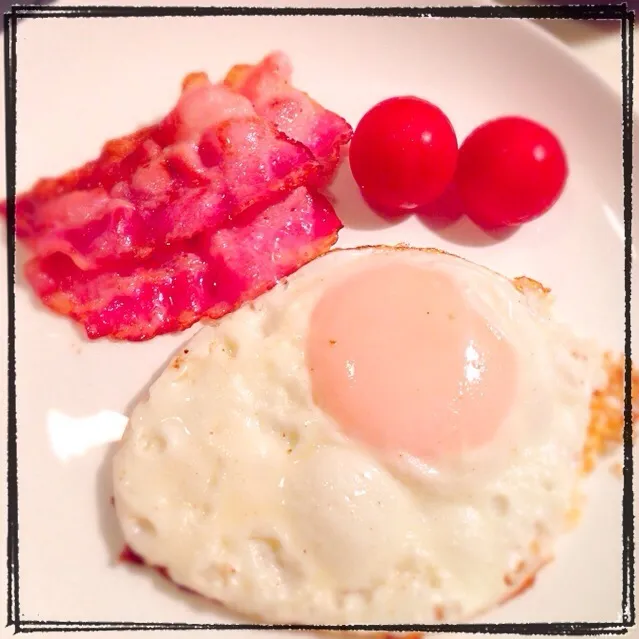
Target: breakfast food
x=206, y=277
x=605, y=430
x=390, y=435
x=510, y=171
x=268, y=86
x=404, y=158
x=403, y=154
x=114, y=239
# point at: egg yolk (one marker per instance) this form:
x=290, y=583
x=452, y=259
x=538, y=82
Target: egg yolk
x=401, y=360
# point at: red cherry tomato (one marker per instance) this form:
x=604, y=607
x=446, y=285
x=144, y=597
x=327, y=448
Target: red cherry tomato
x=510, y=170
x=403, y=154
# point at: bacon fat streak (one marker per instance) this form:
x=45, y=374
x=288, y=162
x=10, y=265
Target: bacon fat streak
x=193, y=215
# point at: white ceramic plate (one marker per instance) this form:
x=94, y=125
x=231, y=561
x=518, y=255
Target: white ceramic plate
x=82, y=81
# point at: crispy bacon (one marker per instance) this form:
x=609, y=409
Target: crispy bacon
x=268, y=86
x=207, y=277
x=191, y=216
x=191, y=172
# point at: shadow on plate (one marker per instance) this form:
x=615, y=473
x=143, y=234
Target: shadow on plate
x=446, y=218
x=465, y=233
x=106, y=512
x=352, y=209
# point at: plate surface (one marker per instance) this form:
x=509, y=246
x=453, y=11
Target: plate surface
x=82, y=81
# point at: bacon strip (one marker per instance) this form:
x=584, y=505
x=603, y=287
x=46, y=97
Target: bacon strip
x=207, y=278
x=191, y=216
x=191, y=172
x=222, y=149
x=268, y=86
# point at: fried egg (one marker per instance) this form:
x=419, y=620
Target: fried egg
x=391, y=435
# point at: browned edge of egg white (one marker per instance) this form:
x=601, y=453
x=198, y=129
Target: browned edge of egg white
x=604, y=435
x=131, y=557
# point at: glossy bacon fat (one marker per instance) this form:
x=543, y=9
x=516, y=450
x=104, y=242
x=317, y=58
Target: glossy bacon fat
x=207, y=277
x=191, y=216
x=268, y=86
x=207, y=161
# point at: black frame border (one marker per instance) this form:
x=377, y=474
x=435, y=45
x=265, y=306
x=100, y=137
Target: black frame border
x=615, y=12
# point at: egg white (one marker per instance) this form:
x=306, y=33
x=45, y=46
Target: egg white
x=231, y=478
